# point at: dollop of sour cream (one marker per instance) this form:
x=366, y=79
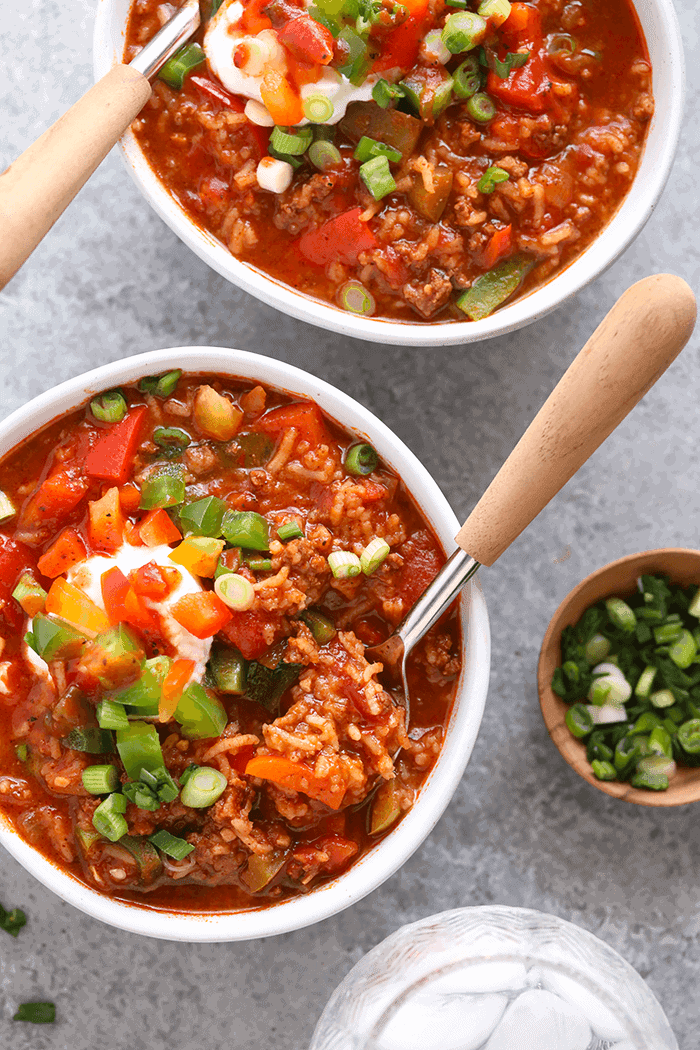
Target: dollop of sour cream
x=87, y=577
x=263, y=52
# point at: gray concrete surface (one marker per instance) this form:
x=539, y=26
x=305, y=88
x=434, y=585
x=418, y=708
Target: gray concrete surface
x=111, y=280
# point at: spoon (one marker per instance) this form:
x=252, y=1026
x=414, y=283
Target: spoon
x=636, y=342
x=37, y=188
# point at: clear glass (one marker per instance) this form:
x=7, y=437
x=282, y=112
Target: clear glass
x=465, y=979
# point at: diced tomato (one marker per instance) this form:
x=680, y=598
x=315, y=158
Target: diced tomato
x=66, y=551
x=304, y=416
x=214, y=191
x=240, y=760
x=215, y=91
x=342, y=238
x=249, y=632
x=500, y=245
x=522, y=26
x=401, y=46
x=339, y=850
x=149, y=581
x=252, y=19
x=307, y=40
x=111, y=456
x=202, y=614
x=115, y=588
x=261, y=138
x=57, y=496
x=372, y=492
x=157, y=528
x=368, y=632
x=422, y=562
x=530, y=86
x=15, y=559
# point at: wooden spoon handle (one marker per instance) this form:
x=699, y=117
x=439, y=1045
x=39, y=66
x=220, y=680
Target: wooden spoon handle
x=643, y=333
x=37, y=188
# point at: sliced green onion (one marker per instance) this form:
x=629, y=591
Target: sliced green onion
x=204, y=517
x=318, y=108
x=442, y=97
x=384, y=94
x=166, y=489
x=357, y=56
x=161, y=783
x=36, y=1013
x=463, y=31
x=320, y=626
x=504, y=67
x=643, y=686
x=258, y=564
x=246, y=528
x=571, y=671
x=609, y=688
x=90, y=740
x=481, y=107
x=660, y=742
x=204, y=786
x=459, y=4
x=579, y=720
x=22, y=752
x=491, y=178
x=201, y=715
x=171, y=437
x=141, y=795
x=163, y=385
x=667, y=633
x=108, y=818
x=597, y=648
x=604, y=770
x=683, y=650
x=608, y=714
x=368, y=148
x=621, y=615
x=646, y=723
x=111, y=715
x=181, y=65
x=146, y=856
x=497, y=10
x=561, y=42
x=109, y=407
x=688, y=736
x=650, y=781
x=171, y=845
x=694, y=607
x=663, y=698
x=377, y=177
x=355, y=298
x=324, y=155
x=7, y=509
x=235, y=591
x=361, y=460
x=292, y=141
x=434, y=48
x=628, y=751
x=30, y=595
x=373, y=555
x=139, y=748
x=344, y=564
x=100, y=780
x=466, y=79
x=228, y=668
x=289, y=531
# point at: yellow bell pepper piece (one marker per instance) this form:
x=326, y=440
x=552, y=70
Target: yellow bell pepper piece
x=199, y=554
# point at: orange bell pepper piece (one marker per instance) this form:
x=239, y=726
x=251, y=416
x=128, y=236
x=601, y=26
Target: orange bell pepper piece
x=294, y=776
x=73, y=606
x=282, y=101
x=202, y=614
x=66, y=551
x=157, y=528
x=106, y=521
x=176, y=681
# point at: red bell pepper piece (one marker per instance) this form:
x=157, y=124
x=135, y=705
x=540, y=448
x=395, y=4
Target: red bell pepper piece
x=57, y=496
x=150, y=580
x=401, y=46
x=158, y=528
x=500, y=245
x=422, y=562
x=111, y=456
x=15, y=559
x=115, y=587
x=342, y=238
x=304, y=416
x=307, y=40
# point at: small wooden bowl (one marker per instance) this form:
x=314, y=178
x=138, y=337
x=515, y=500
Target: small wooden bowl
x=617, y=578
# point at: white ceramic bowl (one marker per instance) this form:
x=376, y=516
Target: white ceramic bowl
x=388, y=855
x=660, y=26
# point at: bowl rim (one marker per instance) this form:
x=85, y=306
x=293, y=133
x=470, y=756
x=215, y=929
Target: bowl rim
x=390, y=853
x=553, y=707
x=624, y=226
